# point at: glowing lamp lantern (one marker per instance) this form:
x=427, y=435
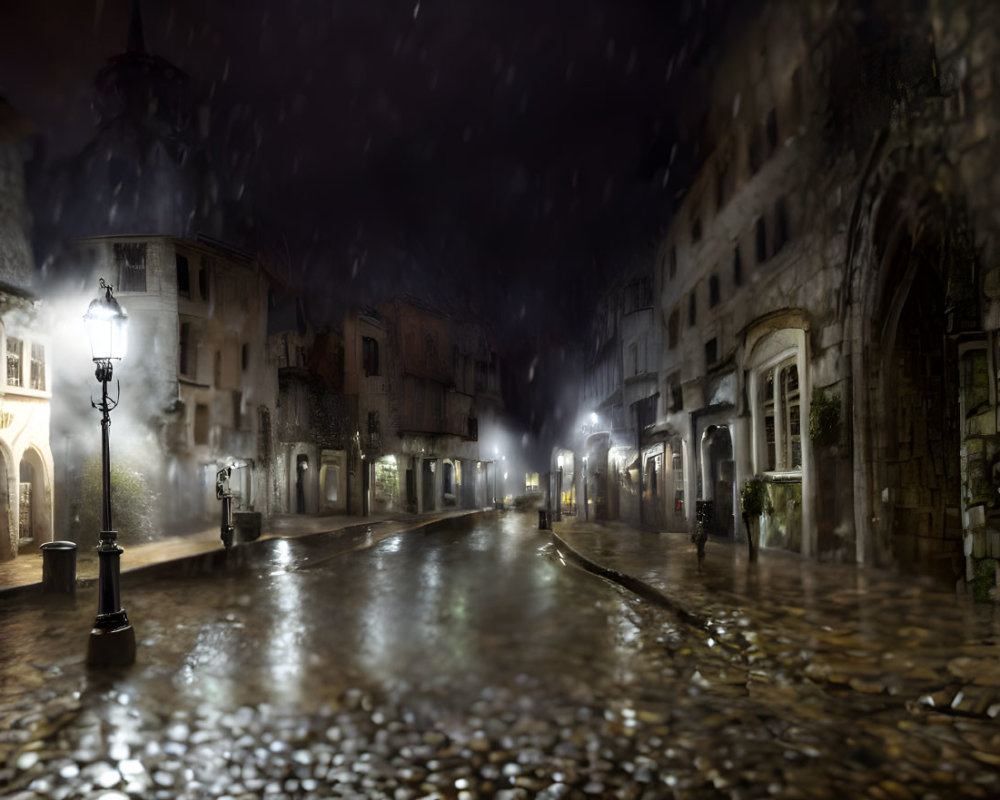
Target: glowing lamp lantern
x=106, y=327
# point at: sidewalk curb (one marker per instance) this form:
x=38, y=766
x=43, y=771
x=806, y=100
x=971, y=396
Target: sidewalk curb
x=213, y=560
x=632, y=584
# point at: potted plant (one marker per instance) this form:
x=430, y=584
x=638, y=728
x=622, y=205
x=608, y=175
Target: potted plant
x=754, y=502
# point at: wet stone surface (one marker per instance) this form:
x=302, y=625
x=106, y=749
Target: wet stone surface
x=474, y=664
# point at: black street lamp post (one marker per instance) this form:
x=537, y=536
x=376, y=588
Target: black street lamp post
x=112, y=639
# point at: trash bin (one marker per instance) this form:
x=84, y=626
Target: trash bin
x=543, y=519
x=59, y=567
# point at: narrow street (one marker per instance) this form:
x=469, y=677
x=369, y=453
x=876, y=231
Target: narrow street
x=475, y=660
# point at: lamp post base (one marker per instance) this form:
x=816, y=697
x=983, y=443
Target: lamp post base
x=111, y=647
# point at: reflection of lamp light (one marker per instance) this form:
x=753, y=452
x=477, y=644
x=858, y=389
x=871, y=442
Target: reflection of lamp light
x=112, y=639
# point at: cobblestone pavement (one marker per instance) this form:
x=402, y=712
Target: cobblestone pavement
x=477, y=662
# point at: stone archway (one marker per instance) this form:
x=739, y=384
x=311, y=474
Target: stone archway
x=917, y=425
x=34, y=523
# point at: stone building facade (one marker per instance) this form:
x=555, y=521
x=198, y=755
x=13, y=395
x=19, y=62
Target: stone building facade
x=383, y=414
x=198, y=391
x=618, y=402
x=433, y=411
x=826, y=291
x=26, y=464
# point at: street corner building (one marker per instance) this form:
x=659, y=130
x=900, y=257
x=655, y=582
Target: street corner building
x=26, y=466
x=381, y=412
x=823, y=309
x=200, y=379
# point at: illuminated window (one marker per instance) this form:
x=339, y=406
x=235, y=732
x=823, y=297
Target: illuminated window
x=130, y=259
x=15, y=350
x=38, y=367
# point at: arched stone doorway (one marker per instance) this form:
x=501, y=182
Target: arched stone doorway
x=918, y=426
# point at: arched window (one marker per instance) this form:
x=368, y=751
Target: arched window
x=777, y=398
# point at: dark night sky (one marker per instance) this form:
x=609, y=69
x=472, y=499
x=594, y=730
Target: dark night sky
x=508, y=152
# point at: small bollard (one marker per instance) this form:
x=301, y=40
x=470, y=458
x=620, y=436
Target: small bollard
x=58, y=567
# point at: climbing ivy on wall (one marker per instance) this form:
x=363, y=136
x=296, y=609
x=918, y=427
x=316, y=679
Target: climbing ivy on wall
x=824, y=417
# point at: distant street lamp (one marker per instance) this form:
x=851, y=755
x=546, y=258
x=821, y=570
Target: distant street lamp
x=112, y=640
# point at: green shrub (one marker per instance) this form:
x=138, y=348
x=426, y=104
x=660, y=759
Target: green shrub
x=824, y=417
x=133, y=503
x=753, y=497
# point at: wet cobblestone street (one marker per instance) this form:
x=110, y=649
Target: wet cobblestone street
x=473, y=661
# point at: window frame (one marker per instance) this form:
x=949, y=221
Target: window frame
x=36, y=372
x=778, y=407
x=14, y=359
x=135, y=270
